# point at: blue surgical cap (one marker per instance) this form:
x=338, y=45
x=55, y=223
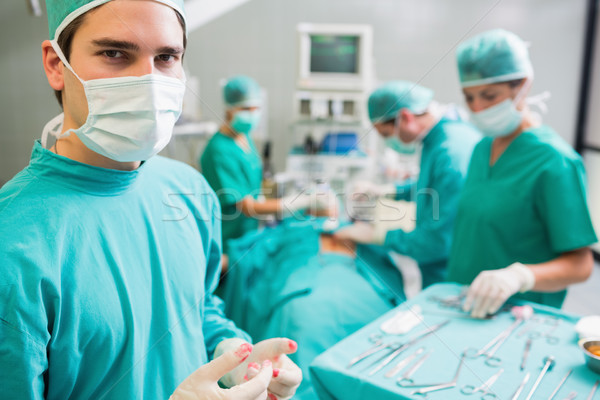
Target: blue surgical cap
x=386, y=101
x=62, y=12
x=242, y=91
x=491, y=57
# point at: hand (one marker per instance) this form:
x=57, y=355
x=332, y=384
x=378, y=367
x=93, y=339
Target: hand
x=490, y=289
x=324, y=203
x=202, y=383
x=286, y=375
x=361, y=232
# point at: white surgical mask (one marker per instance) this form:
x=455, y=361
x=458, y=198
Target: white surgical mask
x=498, y=120
x=399, y=146
x=501, y=119
x=129, y=118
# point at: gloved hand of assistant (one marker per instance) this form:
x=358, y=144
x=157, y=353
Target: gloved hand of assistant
x=319, y=202
x=286, y=375
x=202, y=384
x=361, y=232
x=490, y=289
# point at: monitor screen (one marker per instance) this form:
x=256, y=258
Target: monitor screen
x=334, y=54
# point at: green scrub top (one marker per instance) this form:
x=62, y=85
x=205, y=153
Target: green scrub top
x=107, y=279
x=530, y=207
x=445, y=159
x=233, y=174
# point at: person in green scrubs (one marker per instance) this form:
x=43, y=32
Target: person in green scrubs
x=523, y=225
x=111, y=253
x=233, y=168
x=405, y=114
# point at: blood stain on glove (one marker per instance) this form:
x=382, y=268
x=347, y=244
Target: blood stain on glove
x=271, y=396
x=293, y=345
x=275, y=372
x=244, y=351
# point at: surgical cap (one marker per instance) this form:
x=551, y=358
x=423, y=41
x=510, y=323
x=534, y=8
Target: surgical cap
x=385, y=102
x=242, y=91
x=62, y=12
x=491, y=57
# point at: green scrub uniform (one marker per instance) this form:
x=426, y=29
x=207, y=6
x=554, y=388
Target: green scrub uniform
x=233, y=174
x=530, y=207
x=107, y=279
x=445, y=158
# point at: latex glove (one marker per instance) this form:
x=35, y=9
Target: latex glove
x=366, y=189
x=324, y=201
x=286, y=375
x=490, y=289
x=314, y=201
x=361, y=232
x=202, y=383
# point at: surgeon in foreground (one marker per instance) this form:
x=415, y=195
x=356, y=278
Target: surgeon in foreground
x=523, y=226
x=110, y=254
x=405, y=114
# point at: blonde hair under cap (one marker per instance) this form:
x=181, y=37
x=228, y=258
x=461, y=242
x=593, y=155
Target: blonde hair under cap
x=62, y=12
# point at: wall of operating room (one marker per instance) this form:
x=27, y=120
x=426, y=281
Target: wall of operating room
x=413, y=39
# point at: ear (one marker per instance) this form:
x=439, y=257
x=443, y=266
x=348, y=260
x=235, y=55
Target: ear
x=53, y=67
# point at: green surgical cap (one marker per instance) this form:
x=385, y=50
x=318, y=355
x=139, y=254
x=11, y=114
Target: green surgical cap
x=491, y=57
x=62, y=12
x=386, y=101
x=242, y=91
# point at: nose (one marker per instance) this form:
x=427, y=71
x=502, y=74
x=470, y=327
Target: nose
x=476, y=105
x=144, y=66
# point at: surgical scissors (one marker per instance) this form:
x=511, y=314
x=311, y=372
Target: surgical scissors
x=490, y=349
x=440, y=386
x=484, y=388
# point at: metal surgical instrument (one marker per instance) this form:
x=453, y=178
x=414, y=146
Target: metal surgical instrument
x=399, y=349
x=484, y=388
x=521, y=387
x=526, y=353
x=548, y=364
x=394, y=371
x=407, y=376
x=562, y=382
x=593, y=391
x=440, y=386
x=490, y=349
x=379, y=345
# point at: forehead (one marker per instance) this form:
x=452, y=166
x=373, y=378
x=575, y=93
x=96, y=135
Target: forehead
x=491, y=87
x=140, y=21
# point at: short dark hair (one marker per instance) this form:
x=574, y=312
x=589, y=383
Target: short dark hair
x=65, y=40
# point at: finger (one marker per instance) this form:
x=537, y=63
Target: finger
x=488, y=297
x=497, y=303
x=285, y=379
x=480, y=297
x=253, y=370
x=272, y=348
x=472, y=293
x=227, y=361
x=255, y=388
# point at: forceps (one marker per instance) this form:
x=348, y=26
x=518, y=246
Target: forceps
x=406, y=378
x=490, y=349
x=378, y=345
x=484, y=388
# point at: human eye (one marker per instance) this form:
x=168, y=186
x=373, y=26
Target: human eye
x=114, y=54
x=489, y=96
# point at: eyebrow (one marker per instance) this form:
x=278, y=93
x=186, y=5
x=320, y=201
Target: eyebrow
x=125, y=45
